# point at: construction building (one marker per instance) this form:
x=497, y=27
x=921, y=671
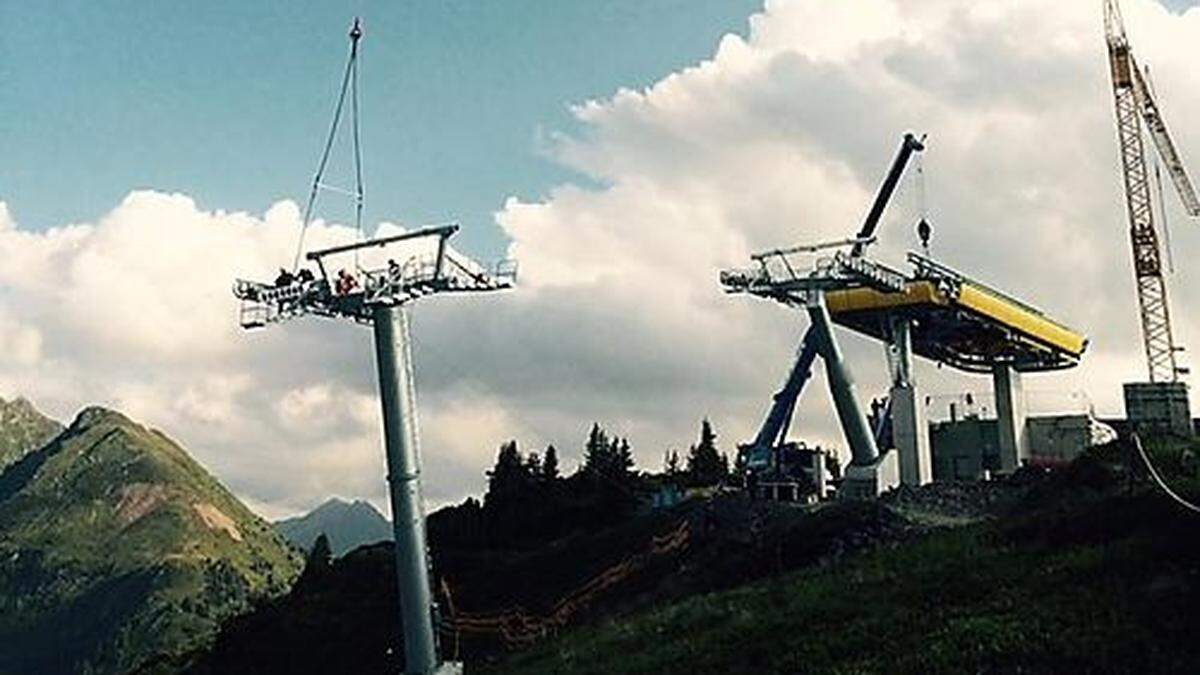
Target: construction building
x=970, y=448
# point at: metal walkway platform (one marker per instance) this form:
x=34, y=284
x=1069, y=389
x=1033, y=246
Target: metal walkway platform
x=394, y=285
x=955, y=320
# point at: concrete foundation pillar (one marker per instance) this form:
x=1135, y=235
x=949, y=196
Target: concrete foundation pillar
x=1010, y=416
x=910, y=429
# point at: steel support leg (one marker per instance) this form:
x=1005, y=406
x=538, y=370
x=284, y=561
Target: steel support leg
x=841, y=385
x=398, y=395
x=1010, y=416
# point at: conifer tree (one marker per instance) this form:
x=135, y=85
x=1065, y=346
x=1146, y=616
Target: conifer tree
x=596, y=454
x=705, y=465
x=550, y=465
x=320, y=555
x=317, y=563
x=671, y=463
x=623, y=459
x=507, y=477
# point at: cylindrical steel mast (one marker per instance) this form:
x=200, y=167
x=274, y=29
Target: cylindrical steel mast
x=398, y=396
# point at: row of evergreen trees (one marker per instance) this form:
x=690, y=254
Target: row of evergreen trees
x=529, y=501
x=607, y=459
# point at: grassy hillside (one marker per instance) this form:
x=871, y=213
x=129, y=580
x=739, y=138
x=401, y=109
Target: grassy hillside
x=22, y=430
x=115, y=546
x=1078, y=577
x=1076, y=570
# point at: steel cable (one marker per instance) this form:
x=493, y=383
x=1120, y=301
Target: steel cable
x=349, y=74
x=1137, y=443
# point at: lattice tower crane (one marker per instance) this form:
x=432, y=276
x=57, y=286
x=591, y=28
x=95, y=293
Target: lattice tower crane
x=1135, y=104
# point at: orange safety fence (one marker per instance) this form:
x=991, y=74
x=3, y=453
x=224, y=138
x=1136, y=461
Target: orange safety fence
x=517, y=627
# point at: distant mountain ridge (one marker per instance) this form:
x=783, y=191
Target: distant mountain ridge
x=23, y=429
x=347, y=525
x=116, y=546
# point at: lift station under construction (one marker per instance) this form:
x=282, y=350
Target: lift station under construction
x=933, y=312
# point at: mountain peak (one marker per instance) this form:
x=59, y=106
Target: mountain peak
x=94, y=415
x=347, y=524
x=339, y=505
x=23, y=429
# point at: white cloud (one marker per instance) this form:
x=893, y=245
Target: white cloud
x=780, y=137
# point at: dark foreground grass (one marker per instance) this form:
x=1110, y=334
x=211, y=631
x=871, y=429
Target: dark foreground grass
x=1106, y=585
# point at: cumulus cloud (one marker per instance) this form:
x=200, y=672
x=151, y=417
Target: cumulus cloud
x=780, y=137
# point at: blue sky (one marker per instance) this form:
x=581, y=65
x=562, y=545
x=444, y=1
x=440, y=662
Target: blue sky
x=228, y=101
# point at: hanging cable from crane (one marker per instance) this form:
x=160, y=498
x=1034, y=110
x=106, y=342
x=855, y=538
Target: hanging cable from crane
x=1166, y=221
x=349, y=84
x=924, y=229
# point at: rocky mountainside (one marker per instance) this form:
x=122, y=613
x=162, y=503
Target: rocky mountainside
x=347, y=525
x=22, y=430
x=115, y=546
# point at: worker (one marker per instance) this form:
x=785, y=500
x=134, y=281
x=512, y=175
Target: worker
x=305, y=276
x=346, y=283
x=393, y=270
x=284, y=279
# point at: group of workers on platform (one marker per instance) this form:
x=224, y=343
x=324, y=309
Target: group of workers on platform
x=345, y=284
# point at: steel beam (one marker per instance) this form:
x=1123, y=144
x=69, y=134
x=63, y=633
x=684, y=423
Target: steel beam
x=442, y=231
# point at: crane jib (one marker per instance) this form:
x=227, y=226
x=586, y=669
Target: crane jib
x=910, y=145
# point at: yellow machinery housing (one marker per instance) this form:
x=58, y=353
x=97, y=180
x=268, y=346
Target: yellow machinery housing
x=962, y=323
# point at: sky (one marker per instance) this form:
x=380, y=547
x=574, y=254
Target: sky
x=229, y=102
x=151, y=153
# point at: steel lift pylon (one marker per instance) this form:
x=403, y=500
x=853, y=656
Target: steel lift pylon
x=382, y=303
x=379, y=297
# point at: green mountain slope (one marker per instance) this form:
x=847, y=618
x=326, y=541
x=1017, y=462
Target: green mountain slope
x=348, y=525
x=22, y=430
x=115, y=545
